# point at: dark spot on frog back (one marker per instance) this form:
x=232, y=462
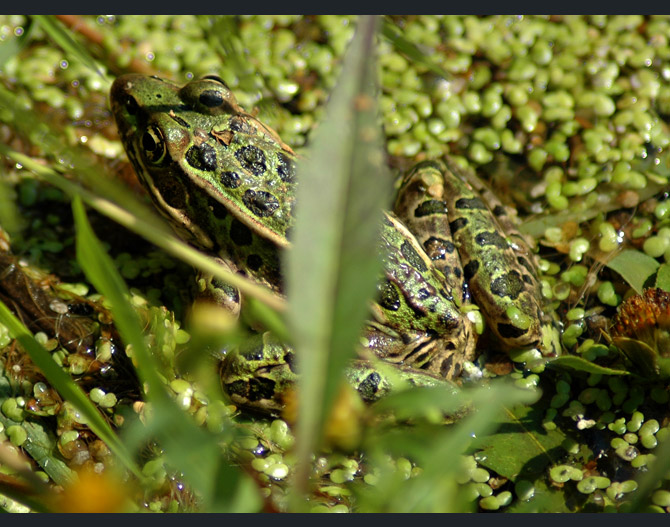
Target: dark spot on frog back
x=252, y=159
x=260, y=203
x=230, y=179
x=508, y=285
x=458, y=224
x=412, y=256
x=470, y=204
x=285, y=167
x=388, y=296
x=470, y=269
x=369, y=387
x=179, y=121
x=218, y=210
x=171, y=189
x=240, y=234
x=202, y=157
x=255, y=389
x=491, y=238
x=240, y=124
x=429, y=207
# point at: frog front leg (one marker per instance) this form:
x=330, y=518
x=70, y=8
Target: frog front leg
x=417, y=303
x=212, y=290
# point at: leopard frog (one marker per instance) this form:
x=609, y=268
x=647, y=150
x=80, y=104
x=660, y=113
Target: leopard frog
x=226, y=183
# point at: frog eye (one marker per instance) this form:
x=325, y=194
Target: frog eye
x=215, y=78
x=210, y=95
x=153, y=144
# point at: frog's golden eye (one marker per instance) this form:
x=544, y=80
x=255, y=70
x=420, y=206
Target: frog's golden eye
x=153, y=145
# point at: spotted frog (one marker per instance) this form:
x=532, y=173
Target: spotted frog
x=226, y=183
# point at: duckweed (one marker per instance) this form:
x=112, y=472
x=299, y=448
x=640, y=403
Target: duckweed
x=480, y=475
x=649, y=427
x=12, y=409
x=661, y=498
x=635, y=422
x=484, y=490
x=648, y=441
x=524, y=489
x=557, y=92
x=277, y=471
x=490, y=503
x=564, y=473
x=16, y=434
x=592, y=483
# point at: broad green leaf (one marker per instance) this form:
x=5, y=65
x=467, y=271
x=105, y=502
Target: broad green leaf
x=62, y=38
x=437, y=451
x=520, y=447
x=333, y=265
x=188, y=447
x=581, y=364
x=635, y=267
x=545, y=499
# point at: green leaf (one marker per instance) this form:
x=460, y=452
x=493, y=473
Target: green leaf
x=188, y=447
x=415, y=401
x=545, y=499
x=635, y=267
x=61, y=37
x=663, y=277
x=333, y=265
x=581, y=364
x=437, y=450
x=520, y=448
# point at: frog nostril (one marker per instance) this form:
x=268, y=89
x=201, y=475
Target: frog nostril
x=131, y=105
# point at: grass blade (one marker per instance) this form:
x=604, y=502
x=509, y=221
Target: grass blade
x=144, y=223
x=61, y=37
x=404, y=46
x=66, y=387
x=203, y=466
x=333, y=265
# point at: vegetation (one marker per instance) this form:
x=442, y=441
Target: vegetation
x=110, y=397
